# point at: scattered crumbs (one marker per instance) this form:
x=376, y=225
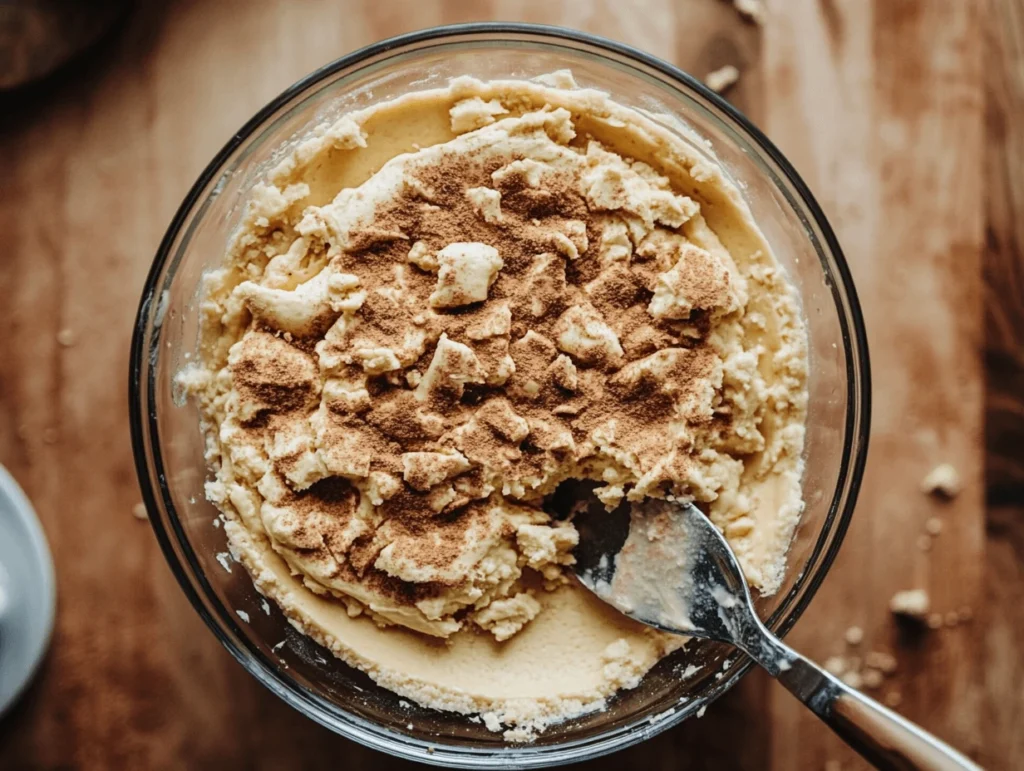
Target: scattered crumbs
x=943, y=480
x=924, y=542
x=872, y=678
x=882, y=661
x=752, y=11
x=187, y=355
x=722, y=79
x=852, y=679
x=701, y=711
x=66, y=338
x=243, y=615
x=719, y=675
x=910, y=603
x=893, y=699
x=520, y=735
x=216, y=522
x=854, y=635
x=139, y=511
x=50, y=435
x=406, y=705
x=690, y=671
x=408, y=726
x=934, y=620
x=933, y=526
x=192, y=499
x=265, y=606
x=430, y=750
x=661, y=716
x=835, y=665
x=279, y=646
x=320, y=660
x=491, y=721
x=225, y=560
x=869, y=673
x=472, y=718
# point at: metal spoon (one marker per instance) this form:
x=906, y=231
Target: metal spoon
x=665, y=565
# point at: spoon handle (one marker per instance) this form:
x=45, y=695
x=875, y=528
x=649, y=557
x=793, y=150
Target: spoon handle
x=885, y=739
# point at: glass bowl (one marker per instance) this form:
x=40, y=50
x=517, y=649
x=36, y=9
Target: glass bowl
x=168, y=444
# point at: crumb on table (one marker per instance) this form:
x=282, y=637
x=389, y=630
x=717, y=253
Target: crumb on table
x=722, y=79
x=882, y=661
x=835, y=665
x=910, y=603
x=893, y=699
x=752, y=11
x=942, y=480
x=872, y=678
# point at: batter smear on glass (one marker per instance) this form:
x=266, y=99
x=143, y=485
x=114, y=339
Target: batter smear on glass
x=419, y=333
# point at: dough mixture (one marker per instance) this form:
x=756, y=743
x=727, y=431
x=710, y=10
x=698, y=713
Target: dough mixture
x=437, y=309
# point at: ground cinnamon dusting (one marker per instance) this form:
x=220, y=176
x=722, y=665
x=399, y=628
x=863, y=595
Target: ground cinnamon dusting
x=539, y=412
x=429, y=364
x=395, y=384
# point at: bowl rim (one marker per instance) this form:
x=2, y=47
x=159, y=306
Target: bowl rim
x=143, y=424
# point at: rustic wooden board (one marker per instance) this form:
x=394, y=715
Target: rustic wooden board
x=1003, y=620
x=882, y=110
x=879, y=105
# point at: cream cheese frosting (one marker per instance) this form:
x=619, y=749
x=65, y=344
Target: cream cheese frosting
x=408, y=348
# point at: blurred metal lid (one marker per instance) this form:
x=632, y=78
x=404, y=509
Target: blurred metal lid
x=27, y=591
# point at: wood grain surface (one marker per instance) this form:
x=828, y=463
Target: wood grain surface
x=903, y=116
x=1002, y=712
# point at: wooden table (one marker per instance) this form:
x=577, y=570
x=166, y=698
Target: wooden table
x=904, y=116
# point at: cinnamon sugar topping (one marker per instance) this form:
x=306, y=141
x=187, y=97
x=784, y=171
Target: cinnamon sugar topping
x=445, y=344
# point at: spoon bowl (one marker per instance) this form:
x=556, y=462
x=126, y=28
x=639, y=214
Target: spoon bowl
x=665, y=564
x=674, y=570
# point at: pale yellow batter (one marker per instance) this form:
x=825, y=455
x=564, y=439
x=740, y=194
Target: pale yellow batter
x=436, y=310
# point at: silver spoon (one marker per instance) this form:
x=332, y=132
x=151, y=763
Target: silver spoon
x=665, y=565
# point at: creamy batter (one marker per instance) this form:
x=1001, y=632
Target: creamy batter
x=437, y=309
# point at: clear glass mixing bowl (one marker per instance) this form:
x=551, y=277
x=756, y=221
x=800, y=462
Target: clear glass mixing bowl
x=169, y=447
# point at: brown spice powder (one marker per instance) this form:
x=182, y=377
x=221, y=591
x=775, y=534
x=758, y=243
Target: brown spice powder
x=526, y=426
